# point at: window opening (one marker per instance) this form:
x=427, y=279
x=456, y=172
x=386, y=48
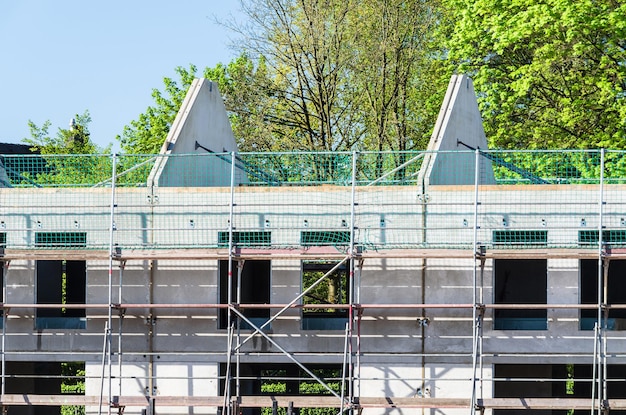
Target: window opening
x=589, y=294
x=333, y=290
x=2, y=300
x=285, y=379
x=46, y=378
x=61, y=282
x=520, y=281
x=255, y=289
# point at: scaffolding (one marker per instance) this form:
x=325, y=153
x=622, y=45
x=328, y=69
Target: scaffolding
x=347, y=208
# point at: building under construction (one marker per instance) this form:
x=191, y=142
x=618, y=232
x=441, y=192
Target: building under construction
x=205, y=280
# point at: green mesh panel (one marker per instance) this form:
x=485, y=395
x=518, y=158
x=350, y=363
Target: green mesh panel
x=590, y=237
x=61, y=239
x=248, y=238
x=516, y=237
x=322, y=238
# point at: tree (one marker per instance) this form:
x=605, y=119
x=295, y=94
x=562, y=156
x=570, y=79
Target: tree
x=70, y=158
x=307, y=45
x=397, y=72
x=548, y=74
x=247, y=94
x=250, y=101
x=73, y=140
x=147, y=134
x=321, y=75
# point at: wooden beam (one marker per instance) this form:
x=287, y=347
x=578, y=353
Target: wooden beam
x=546, y=403
x=416, y=402
x=302, y=401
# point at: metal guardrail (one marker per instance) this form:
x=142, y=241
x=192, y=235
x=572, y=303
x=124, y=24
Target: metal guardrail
x=516, y=199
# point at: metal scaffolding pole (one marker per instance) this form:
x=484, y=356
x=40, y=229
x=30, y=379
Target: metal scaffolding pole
x=230, y=277
x=351, y=282
x=602, y=293
x=286, y=307
x=119, y=327
x=343, y=366
x=287, y=354
x=5, y=269
x=476, y=323
x=240, y=265
x=110, y=279
x=357, y=391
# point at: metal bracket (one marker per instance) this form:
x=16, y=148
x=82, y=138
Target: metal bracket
x=481, y=311
x=480, y=253
x=153, y=199
x=117, y=254
x=423, y=198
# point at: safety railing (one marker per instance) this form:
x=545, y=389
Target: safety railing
x=518, y=199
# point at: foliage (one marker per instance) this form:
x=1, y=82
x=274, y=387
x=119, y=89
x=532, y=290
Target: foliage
x=550, y=74
x=306, y=46
x=73, y=140
x=245, y=89
x=398, y=77
x=332, y=290
x=73, y=374
x=147, y=134
x=249, y=98
x=364, y=75
x=304, y=387
x=69, y=157
x=320, y=75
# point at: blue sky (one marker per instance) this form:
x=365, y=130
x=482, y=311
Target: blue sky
x=62, y=57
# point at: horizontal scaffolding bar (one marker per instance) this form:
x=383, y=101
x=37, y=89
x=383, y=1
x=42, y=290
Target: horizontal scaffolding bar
x=306, y=254
x=313, y=306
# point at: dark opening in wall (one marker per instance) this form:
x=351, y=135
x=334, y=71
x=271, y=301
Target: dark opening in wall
x=45, y=378
x=616, y=293
x=554, y=381
x=255, y=289
x=332, y=290
x=520, y=281
x=285, y=379
x=61, y=282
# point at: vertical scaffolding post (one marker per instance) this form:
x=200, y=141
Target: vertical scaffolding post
x=5, y=269
x=240, y=265
x=110, y=281
x=475, y=315
x=119, y=328
x=602, y=300
x=227, y=403
x=357, y=391
x=233, y=156
x=350, y=328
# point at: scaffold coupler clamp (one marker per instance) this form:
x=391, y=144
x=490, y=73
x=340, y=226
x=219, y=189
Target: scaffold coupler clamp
x=481, y=251
x=479, y=406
